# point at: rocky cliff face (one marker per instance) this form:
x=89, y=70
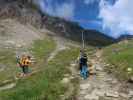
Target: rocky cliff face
x=20, y=10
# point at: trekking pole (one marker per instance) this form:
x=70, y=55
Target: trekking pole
x=83, y=41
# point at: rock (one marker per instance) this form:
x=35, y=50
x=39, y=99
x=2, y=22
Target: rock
x=18, y=45
x=107, y=65
x=65, y=80
x=98, y=56
x=10, y=42
x=84, y=86
x=98, y=68
x=101, y=75
x=112, y=94
x=91, y=97
x=101, y=86
x=100, y=93
x=71, y=77
x=129, y=70
x=109, y=80
x=66, y=75
x=114, y=81
x=130, y=93
x=130, y=80
x=73, y=65
x=123, y=95
x=83, y=92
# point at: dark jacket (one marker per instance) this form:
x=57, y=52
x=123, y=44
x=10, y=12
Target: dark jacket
x=83, y=61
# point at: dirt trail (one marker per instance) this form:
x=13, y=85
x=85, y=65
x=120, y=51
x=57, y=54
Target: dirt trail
x=102, y=86
x=61, y=45
x=8, y=86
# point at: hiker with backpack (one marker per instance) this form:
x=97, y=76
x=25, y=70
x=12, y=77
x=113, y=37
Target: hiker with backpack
x=83, y=65
x=24, y=62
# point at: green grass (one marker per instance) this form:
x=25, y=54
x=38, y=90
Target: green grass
x=121, y=57
x=42, y=48
x=46, y=84
x=7, y=61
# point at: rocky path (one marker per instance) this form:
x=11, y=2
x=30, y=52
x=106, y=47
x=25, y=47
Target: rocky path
x=102, y=86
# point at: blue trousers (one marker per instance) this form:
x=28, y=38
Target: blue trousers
x=84, y=72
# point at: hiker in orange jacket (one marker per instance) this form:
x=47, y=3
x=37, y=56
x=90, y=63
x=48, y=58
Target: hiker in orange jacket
x=24, y=63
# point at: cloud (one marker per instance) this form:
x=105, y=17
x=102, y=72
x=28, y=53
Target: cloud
x=87, y=2
x=96, y=22
x=65, y=10
x=117, y=17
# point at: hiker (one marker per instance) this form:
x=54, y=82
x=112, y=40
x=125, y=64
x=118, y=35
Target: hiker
x=81, y=55
x=18, y=61
x=24, y=63
x=83, y=65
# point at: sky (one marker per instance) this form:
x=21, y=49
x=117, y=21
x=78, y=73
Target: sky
x=111, y=17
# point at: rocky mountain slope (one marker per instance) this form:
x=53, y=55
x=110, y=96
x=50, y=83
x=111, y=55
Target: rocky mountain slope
x=26, y=12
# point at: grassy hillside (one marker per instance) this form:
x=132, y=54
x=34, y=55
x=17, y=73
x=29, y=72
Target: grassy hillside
x=120, y=56
x=46, y=83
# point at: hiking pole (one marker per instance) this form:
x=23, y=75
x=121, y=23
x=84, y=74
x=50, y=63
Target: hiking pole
x=83, y=41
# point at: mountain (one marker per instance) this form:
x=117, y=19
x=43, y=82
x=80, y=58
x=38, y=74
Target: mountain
x=73, y=30
x=125, y=37
x=26, y=12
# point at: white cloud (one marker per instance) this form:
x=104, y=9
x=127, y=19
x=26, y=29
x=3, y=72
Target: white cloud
x=118, y=17
x=65, y=10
